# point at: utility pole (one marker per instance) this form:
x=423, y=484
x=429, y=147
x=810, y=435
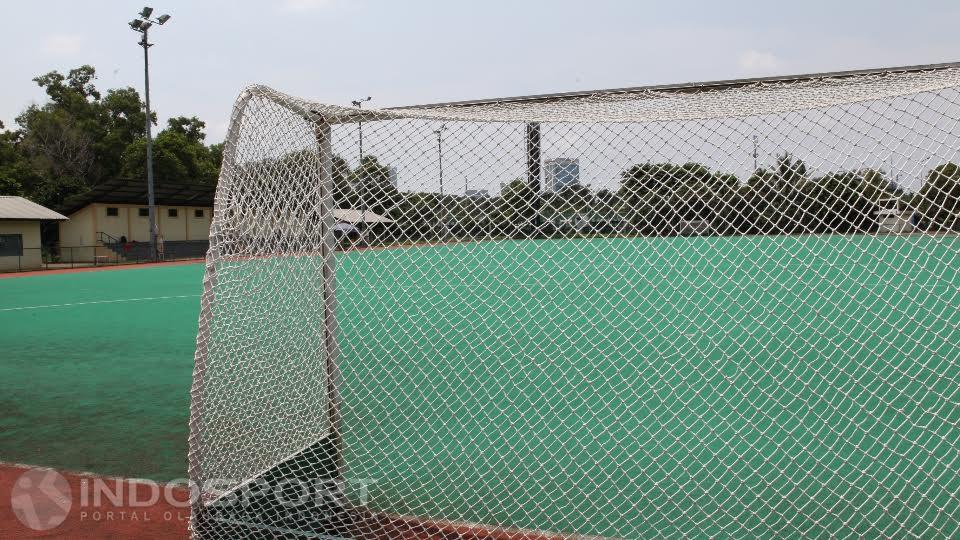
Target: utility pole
x=142, y=24
x=443, y=207
x=534, y=166
x=358, y=103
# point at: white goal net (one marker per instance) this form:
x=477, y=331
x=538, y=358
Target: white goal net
x=720, y=309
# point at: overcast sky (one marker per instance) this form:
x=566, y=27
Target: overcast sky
x=408, y=52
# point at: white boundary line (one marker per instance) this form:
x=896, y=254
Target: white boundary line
x=102, y=302
x=88, y=474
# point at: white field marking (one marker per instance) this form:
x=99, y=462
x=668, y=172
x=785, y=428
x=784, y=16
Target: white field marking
x=102, y=302
x=87, y=474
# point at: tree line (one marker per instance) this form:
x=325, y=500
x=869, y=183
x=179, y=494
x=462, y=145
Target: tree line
x=81, y=137
x=665, y=199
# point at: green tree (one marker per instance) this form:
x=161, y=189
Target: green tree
x=834, y=205
x=517, y=208
x=419, y=216
x=179, y=154
x=70, y=90
x=939, y=198
x=191, y=128
x=472, y=215
x=60, y=151
x=371, y=182
x=608, y=198
x=123, y=116
x=785, y=209
x=344, y=195
x=16, y=174
x=660, y=197
x=81, y=136
x=76, y=139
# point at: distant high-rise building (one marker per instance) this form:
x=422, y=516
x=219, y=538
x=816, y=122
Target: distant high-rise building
x=392, y=176
x=479, y=192
x=560, y=173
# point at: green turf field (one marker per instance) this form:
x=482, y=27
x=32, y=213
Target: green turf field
x=97, y=369
x=631, y=370
x=672, y=378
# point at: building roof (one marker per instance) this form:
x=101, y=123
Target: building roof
x=349, y=215
x=19, y=208
x=125, y=191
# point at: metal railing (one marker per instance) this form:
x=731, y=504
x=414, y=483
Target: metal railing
x=105, y=238
x=118, y=254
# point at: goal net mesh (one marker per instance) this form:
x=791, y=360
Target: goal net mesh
x=698, y=311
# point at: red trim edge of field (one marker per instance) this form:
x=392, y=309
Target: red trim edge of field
x=377, y=526
x=6, y=275
x=129, y=519
x=147, y=509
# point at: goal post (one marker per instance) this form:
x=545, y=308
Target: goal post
x=662, y=311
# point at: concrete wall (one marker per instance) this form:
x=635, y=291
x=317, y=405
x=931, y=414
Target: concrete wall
x=173, y=227
x=79, y=230
x=84, y=224
x=116, y=226
x=198, y=227
x=32, y=257
x=139, y=225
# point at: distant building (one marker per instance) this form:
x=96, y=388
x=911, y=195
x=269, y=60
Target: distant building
x=695, y=227
x=112, y=220
x=392, y=176
x=560, y=173
x=353, y=227
x=589, y=221
x=20, y=233
x=477, y=193
x=894, y=217
x=357, y=217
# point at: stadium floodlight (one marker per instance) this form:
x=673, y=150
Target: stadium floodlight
x=143, y=25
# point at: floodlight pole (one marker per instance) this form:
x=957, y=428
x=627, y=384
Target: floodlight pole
x=443, y=207
x=363, y=181
x=358, y=103
x=439, y=133
x=534, y=165
x=142, y=24
x=151, y=201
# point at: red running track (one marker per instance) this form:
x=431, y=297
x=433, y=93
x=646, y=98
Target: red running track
x=126, y=516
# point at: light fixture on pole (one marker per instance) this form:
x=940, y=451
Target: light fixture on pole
x=142, y=25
